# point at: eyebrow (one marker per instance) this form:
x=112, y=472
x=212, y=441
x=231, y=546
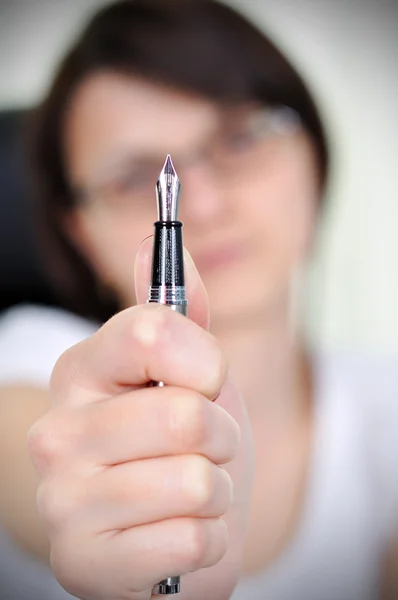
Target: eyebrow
x=115, y=163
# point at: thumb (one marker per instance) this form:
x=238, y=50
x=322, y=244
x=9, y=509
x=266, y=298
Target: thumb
x=198, y=304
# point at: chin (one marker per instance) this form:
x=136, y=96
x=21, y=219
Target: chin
x=241, y=303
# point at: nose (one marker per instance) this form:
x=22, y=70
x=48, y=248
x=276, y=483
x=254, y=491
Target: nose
x=203, y=199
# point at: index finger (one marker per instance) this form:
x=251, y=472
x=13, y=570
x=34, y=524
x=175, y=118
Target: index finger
x=140, y=344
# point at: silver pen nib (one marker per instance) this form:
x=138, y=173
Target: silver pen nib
x=168, y=192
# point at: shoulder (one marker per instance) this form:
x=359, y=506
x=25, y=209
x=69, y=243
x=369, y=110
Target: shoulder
x=33, y=337
x=368, y=383
x=365, y=387
x=369, y=378
x=31, y=324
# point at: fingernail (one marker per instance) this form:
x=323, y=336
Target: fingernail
x=146, y=238
x=188, y=260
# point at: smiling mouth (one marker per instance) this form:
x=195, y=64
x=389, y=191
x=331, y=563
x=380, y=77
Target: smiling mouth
x=218, y=258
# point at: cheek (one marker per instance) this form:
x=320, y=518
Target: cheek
x=114, y=246
x=284, y=206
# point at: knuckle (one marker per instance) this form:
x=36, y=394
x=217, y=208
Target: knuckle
x=196, y=544
x=219, y=362
x=49, y=507
x=44, y=446
x=227, y=494
x=199, y=482
x=62, y=370
x=36, y=440
x=150, y=324
x=58, y=501
x=70, y=565
x=214, y=367
x=45, y=501
x=188, y=422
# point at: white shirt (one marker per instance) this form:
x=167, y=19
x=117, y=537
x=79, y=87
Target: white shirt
x=351, y=503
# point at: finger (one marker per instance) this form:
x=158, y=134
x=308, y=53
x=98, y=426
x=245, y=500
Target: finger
x=138, y=492
x=198, y=305
x=147, y=423
x=122, y=564
x=138, y=345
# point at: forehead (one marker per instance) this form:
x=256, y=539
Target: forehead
x=112, y=115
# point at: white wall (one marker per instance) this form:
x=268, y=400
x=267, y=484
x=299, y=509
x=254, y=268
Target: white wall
x=348, y=50
x=348, y=53
x=33, y=35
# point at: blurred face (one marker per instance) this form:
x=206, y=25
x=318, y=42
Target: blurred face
x=249, y=188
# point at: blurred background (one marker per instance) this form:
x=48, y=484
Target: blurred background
x=348, y=53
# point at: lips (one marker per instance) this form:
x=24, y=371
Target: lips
x=221, y=257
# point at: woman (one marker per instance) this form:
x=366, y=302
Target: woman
x=129, y=490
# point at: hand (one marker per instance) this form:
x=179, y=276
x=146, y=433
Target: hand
x=139, y=483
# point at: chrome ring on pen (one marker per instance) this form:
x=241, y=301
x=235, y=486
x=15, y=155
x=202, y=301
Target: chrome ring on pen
x=171, y=295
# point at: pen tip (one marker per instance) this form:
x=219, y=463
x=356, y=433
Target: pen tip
x=168, y=168
x=168, y=192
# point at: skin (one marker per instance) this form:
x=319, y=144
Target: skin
x=109, y=475
x=131, y=483
x=269, y=212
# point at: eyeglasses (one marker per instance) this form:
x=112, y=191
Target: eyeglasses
x=233, y=152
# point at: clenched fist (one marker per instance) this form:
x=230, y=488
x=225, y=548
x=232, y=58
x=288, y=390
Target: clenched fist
x=139, y=483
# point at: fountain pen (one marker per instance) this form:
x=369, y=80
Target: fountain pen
x=167, y=280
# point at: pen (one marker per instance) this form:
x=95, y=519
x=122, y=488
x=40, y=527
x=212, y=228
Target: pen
x=167, y=280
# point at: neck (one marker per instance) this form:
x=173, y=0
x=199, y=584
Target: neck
x=268, y=365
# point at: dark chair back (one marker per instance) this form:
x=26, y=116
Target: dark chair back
x=21, y=277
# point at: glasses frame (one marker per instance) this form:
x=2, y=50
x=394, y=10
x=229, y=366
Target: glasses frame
x=265, y=123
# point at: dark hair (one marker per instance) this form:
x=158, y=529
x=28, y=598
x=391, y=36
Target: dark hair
x=199, y=46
